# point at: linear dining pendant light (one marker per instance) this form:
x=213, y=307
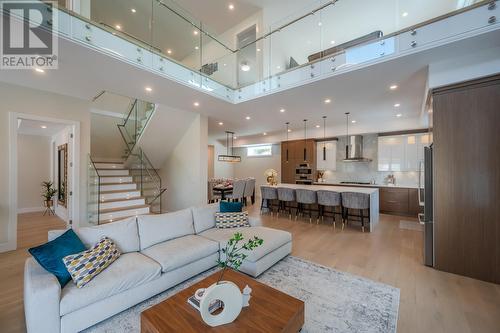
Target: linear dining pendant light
x=305, y=140
x=229, y=157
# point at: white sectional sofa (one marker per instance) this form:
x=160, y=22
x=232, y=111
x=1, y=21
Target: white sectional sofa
x=158, y=252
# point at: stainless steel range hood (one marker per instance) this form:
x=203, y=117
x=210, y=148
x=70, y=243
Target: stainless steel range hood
x=354, y=149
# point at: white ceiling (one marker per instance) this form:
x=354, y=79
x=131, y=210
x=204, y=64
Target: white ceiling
x=83, y=73
x=34, y=127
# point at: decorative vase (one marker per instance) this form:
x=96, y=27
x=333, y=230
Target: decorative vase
x=230, y=295
x=49, y=203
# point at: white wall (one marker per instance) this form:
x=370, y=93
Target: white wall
x=33, y=150
x=221, y=169
x=35, y=102
x=106, y=142
x=255, y=166
x=185, y=171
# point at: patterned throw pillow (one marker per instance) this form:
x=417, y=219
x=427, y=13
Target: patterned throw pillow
x=86, y=265
x=231, y=220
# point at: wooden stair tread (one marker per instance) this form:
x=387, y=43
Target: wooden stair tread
x=113, y=210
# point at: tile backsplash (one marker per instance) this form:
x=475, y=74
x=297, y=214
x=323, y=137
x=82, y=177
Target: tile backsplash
x=366, y=171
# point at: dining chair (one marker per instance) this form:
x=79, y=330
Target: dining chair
x=329, y=199
x=212, y=197
x=249, y=190
x=305, y=197
x=238, y=190
x=359, y=201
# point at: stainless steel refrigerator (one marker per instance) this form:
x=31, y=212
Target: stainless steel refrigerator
x=426, y=198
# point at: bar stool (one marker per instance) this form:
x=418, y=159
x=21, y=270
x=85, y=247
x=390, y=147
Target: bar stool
x=286, y=197
x=352, y=200
x=329, y=199
x=269, y=194
x=305, y=197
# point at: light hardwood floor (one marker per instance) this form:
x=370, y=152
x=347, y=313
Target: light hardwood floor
x=431, y=301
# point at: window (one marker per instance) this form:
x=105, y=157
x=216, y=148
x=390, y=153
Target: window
x=256, y=151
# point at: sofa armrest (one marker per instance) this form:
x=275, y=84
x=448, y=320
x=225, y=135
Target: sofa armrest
x=254, y=221
x=53, y=234
x=42, y=296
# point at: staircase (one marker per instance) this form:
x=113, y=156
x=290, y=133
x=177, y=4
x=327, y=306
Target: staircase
x=119, y=196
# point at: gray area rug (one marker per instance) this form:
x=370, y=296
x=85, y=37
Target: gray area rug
x=334, y=301
x=410, y=225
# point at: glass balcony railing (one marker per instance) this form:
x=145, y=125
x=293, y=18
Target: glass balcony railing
x=267, y=48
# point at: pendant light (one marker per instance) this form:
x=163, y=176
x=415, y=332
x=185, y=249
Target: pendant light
x=324, y=138
x=229, y=157
x=287, y=129
x=347, y=135
x=305, y=140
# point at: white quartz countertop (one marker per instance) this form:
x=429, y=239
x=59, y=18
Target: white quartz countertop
x=331, y=188
x=327, y=183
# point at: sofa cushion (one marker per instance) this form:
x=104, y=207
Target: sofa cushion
x=124, y=234
x=50, y=255
x=86, y=265
x=154, y=229
x=273, y=239
x=230, y=207
x=204, y=217
x=128, y=271
x=181, y=251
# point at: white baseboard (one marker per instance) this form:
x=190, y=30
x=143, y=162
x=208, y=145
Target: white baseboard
x=7, y=246
x=30, y=210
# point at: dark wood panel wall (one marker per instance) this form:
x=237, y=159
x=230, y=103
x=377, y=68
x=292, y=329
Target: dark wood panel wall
x=467, y=178
x=295, y=150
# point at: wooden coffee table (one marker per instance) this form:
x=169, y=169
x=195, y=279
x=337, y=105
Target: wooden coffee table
x=270, y=310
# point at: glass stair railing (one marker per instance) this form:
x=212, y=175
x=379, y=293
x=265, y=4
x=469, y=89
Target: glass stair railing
x=318, y=30
x=135, y=123
x=146, y=176
x=93, y=192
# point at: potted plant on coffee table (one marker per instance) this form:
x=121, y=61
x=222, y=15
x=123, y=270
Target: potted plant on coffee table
x=227, y=292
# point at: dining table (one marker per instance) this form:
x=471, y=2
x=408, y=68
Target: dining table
x=223, y=190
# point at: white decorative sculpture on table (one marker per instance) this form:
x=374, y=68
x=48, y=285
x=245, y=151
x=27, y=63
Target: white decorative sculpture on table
x=246, y=295
x=230, y=295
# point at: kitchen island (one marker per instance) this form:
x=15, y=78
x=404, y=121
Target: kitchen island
x=372, y=192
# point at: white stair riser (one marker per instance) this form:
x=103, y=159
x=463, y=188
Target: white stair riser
x=117, y=172
x=123, y=213
x=109, y=166
x=121, y=195
x=122, y=204
x=119, y=179
x=118, y=187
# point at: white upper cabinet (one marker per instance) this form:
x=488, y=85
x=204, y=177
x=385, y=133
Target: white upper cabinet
x=326, y=159
x=401, y=152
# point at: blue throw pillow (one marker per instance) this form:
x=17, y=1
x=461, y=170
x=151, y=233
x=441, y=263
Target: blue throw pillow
x=230, y=207
x=50, y=255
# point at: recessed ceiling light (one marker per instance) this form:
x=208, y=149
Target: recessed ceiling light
x=258, y=50
x=169, y=51
x=429, y=111
x=195, y=32
x=328, y=101
x=235, y=137
x=397, y=105
x=399, y=115
x=43, y=126
x=118, y=27
x=196, y=104
x=196, y=47
x=405, y=14
x=230, y=6
x=278, y=67
x=282, y=110
x=148, y=89
x=39, y=70
x=133, y=10
x=393, y=87
x=332, y=42
x=221, y=123
x=353, y=121
x=289, y=130
x=320, y=24
x=247, y=118
x=317, y=126
x=245, y=67
x=264, y=133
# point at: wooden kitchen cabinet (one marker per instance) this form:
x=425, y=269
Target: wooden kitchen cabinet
x=295, y=157
x=394, y=200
